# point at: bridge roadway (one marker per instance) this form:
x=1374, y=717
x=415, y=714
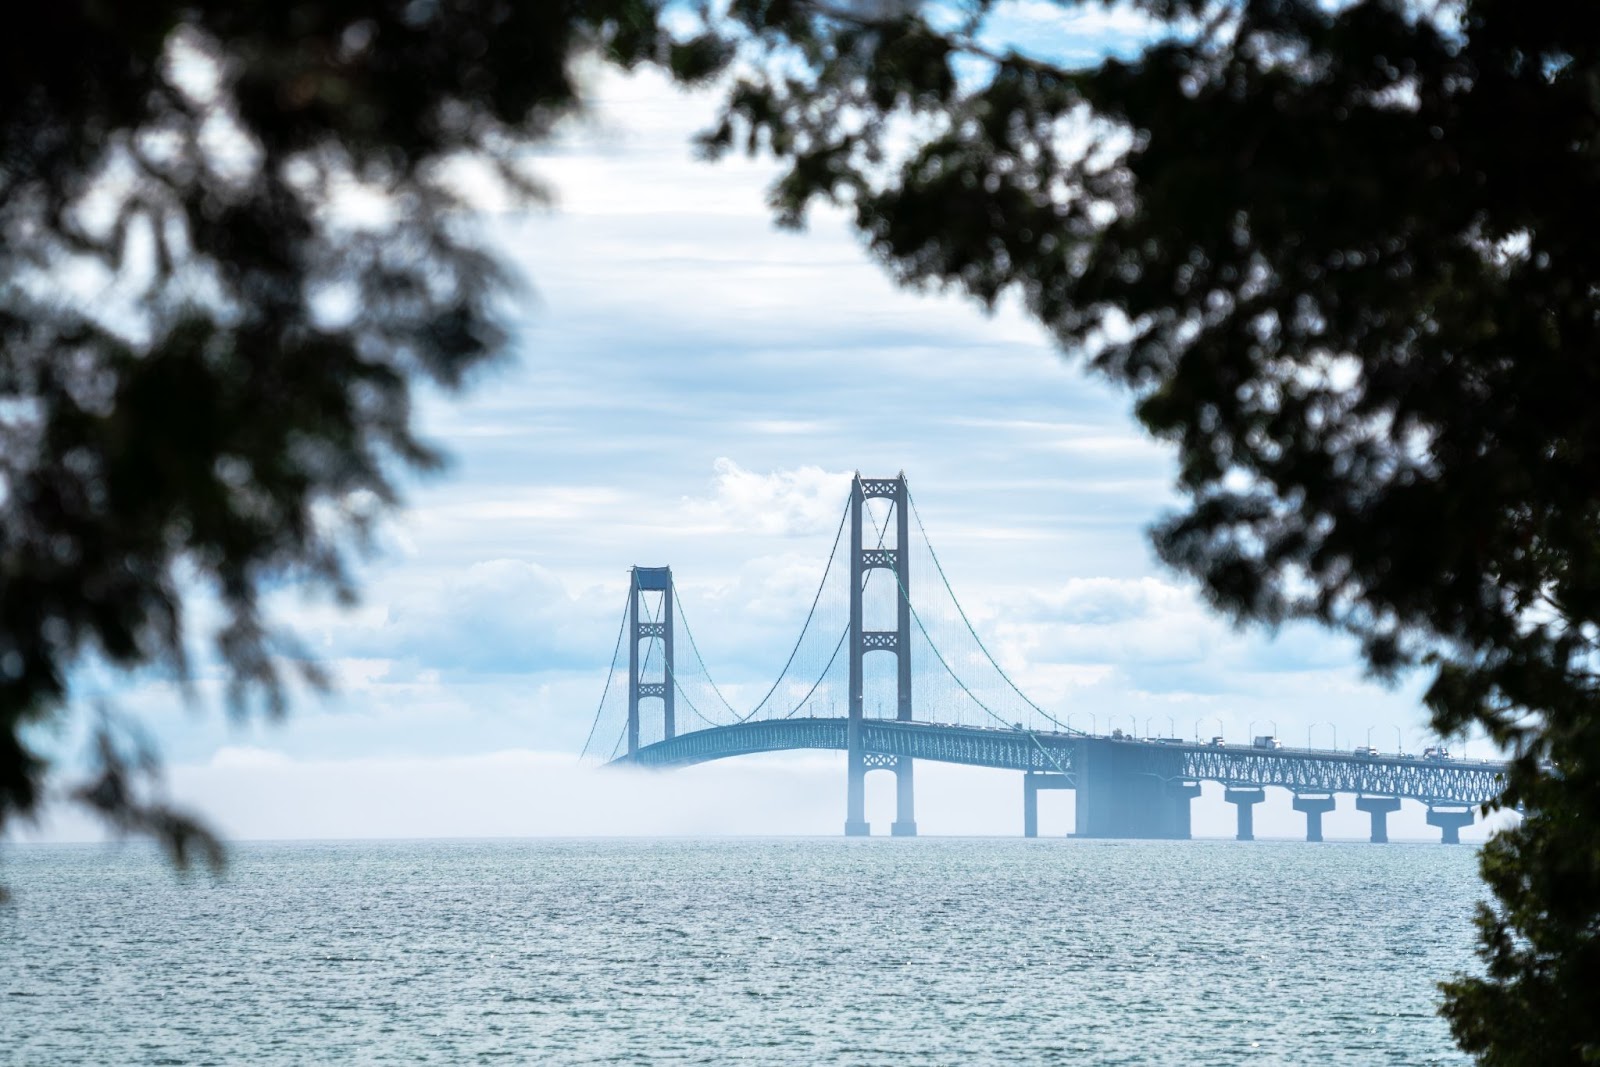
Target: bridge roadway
x=1125, y=787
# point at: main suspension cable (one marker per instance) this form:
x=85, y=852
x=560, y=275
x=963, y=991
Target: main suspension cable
x=1032, y=734
x=610, y=674
x=821, y=677
x=882, y=535
x=832, y=553
x=684, y=618
x=688, y=700
x=648, y=652
x=962, y=612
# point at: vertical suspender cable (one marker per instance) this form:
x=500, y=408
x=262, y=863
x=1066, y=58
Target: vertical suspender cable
x=833, y=552
x=684, y=619
x=960, y=611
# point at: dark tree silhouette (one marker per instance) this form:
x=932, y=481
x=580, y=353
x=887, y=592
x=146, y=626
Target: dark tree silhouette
x=229, y=246
x=1346, y=258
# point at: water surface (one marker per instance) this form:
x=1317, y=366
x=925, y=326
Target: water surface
x=783, y=951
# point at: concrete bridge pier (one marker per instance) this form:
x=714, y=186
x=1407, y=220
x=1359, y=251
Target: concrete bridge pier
x=1314, y=808
x=905, y=809
x=1450, y=821
x=1032, y=782
x=1123, y=790
x=1379, y=808
x=1179, y=794
x=1247, y=798
x=855, y=783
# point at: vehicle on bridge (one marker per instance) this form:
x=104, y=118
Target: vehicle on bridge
x=1436, y=752
x=1267, y=741
x=1366, y=750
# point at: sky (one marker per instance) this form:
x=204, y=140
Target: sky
x=692, y=387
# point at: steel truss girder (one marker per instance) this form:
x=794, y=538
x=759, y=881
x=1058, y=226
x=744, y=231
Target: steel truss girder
x=1433, y=782
x=973, y=746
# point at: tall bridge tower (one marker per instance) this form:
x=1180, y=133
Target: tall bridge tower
x=1126, y=787
x=897, y=562
x=650, y=580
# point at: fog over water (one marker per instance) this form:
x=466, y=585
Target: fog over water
x=253, y=794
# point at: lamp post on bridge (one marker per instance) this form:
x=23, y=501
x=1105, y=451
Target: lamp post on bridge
x=1330, y=726
x=1172, y=726
x=1270, y=722
x=1399, y=745
x=1094, y=725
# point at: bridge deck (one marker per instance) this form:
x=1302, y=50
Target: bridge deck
x=1309, y=771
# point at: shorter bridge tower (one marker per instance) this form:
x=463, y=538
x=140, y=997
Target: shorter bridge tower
x=650, y=580
x=897, y=562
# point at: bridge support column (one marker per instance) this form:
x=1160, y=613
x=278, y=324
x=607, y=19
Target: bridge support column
x=1180, y=795
x=1379, y=808
x=1315, y=808
x=905, y=811
x=1450, y=821
x=855, y=789
x=1247, y=799
x=1032, y=782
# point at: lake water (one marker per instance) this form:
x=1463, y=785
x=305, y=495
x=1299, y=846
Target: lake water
x=784, y=951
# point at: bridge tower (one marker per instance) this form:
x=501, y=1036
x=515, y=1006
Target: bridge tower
x=897, y=562
x=650, y=580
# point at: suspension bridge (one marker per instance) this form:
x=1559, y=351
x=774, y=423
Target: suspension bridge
x=944, y=697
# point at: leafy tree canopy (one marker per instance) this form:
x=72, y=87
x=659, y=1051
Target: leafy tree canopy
x=1346, y=258
x=1343, y=256
x=229, y=247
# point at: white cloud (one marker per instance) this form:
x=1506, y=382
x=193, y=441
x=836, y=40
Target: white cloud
x=784, y=503
x=693, y=389
x=505, y=616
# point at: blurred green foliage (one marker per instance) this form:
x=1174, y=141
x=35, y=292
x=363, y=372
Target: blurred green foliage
x=1345, y=257
x=1342, y=255
x=230, y=245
